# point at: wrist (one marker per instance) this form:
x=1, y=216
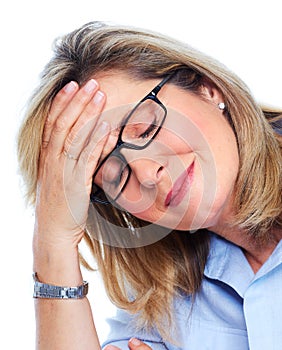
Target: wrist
x=48, y=291
x=57, y=263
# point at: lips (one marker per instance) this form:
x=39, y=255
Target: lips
x=180, y=187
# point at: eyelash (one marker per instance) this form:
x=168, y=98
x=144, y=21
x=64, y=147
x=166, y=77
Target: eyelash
x=149, y=130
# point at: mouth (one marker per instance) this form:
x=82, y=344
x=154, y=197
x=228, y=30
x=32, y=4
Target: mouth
x=180, y=187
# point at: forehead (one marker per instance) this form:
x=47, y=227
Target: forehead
x=121, y=89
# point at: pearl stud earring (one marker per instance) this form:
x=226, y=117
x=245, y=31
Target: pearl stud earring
x=221, y=106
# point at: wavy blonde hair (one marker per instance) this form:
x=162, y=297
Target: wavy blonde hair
x=144, y=280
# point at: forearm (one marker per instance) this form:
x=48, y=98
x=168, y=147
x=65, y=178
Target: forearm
x=65, y=324
x=62, y=323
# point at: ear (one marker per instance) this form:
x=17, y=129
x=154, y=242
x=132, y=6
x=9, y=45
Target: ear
x=211, y=92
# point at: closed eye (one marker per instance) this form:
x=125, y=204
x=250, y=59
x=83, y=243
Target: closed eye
x=150, y=130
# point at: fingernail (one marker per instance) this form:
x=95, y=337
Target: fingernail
x=70, y=87
x=135, y=341
x=90, y=86
x=98, y=97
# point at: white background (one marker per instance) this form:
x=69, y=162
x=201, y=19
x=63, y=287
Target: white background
x=244, y=35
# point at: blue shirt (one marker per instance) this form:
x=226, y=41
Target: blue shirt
x=234, y=310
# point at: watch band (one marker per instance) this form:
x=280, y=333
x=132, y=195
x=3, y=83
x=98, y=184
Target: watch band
x=49, y=291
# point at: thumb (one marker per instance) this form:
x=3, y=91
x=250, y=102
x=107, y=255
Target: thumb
x=135, y=343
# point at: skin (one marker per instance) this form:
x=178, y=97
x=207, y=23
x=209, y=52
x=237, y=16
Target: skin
x=133, y=343
x=196, y=131
x=76, y=125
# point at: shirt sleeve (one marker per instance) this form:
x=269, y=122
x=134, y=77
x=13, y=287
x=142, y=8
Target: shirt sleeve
x=122, y=329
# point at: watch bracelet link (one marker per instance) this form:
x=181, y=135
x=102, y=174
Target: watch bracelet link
x=49, y=291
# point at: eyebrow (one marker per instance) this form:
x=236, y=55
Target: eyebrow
x=123, y=120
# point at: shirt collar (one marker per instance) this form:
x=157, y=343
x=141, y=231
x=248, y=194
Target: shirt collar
x=228, y=264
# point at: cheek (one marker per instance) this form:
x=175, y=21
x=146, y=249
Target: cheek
x=138, y=200
x=184, y=134
x=143, y=209
x=213, y=195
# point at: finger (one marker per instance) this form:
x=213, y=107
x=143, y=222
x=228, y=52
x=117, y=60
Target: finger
x=81, y=131
x=70, y=115
x=135, y=343
x=58, y=105
x=111, y=347
x=92, y=153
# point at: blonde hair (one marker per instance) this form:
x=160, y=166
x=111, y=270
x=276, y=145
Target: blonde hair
x=145, y=279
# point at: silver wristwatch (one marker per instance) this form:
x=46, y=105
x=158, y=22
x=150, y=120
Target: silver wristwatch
x=49, y=291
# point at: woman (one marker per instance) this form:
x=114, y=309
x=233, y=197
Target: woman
x=178, y=196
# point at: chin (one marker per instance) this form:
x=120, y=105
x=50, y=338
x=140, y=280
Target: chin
x=192, y=217
x=191, y=220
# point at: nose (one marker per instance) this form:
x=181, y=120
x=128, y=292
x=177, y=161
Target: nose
x=149, y=172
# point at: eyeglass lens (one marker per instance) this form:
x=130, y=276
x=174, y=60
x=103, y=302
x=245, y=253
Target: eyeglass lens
x=143, y=123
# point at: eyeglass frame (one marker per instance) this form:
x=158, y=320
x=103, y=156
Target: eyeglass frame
x=152, y=95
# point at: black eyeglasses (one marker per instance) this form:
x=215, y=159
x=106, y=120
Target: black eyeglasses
x=139, y=129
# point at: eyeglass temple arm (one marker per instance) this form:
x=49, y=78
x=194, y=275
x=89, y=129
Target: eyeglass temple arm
x=161, y=84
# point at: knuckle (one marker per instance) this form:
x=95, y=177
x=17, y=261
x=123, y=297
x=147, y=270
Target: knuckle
x=59, y=101
x=82, y=98
x=72, y=141
x=48, y=122
x=60, y=125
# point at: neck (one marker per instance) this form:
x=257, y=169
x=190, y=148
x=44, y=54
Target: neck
x=256, y=251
